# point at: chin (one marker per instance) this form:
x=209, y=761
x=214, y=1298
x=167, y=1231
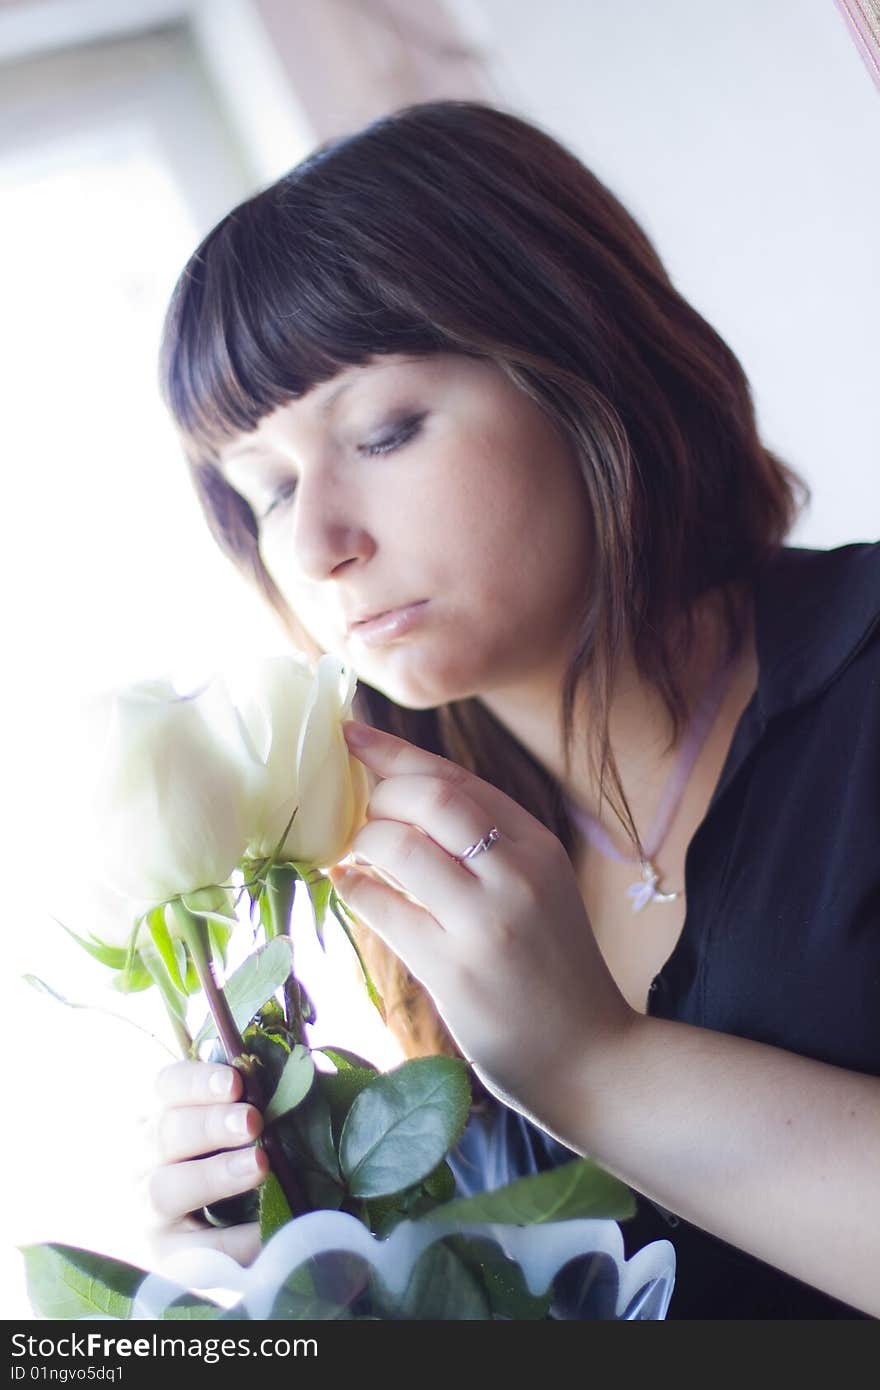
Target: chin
x=420, y=695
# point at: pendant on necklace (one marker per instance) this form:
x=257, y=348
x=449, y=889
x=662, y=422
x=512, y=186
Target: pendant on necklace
x=646, y=891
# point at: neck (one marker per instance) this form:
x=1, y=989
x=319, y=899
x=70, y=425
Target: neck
x=640, y=728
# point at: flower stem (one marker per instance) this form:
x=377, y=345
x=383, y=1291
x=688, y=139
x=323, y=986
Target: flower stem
x=281, y=881
x=195, y=934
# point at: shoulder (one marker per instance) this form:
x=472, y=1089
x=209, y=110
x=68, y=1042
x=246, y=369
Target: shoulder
x=816, y=611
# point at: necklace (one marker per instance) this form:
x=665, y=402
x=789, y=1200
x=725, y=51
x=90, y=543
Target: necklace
x=646, y=889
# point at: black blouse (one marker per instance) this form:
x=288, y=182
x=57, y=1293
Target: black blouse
x=781, y=942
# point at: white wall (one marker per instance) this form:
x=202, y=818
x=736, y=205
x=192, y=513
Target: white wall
x=745, y=139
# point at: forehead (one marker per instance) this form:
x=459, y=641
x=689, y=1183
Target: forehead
x=318, y=403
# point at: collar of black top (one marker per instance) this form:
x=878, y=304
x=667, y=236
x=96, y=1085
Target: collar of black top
x=814, y=610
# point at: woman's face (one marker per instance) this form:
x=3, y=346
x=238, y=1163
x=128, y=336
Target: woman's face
x=428, y=481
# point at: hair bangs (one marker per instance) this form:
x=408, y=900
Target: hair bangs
x=265, y=309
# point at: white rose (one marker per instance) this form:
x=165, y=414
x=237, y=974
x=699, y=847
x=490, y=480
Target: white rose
x=165, y=784
x=294, y=717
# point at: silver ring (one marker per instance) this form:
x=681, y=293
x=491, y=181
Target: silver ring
x=479, y=845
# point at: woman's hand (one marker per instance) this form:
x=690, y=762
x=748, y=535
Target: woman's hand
x=501, y=941
x=198, y=1114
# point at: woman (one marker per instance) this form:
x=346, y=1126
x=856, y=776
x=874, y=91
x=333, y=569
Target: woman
x=438, y=370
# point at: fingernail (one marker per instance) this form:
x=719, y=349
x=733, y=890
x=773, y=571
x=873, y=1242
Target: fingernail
x=344, y=878
x=238, y=1121
x=357, y=733
x=220, y=1082
x=243, y=1164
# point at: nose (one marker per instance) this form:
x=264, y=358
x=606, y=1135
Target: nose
x=329, y=531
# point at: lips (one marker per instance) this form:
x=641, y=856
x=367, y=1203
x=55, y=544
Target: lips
x=378, y=613
x=389, y=625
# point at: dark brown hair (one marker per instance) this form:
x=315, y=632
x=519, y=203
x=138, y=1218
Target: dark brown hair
x=454, y=226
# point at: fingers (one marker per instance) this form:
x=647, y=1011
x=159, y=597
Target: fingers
x=189, y=1121
x=389, y=756
x=411, y=932
x=188, y=1132
x=242, y=1242
x=177, y=1189
x=197, y=1083
x=445, y=809
x=199, y=1112
x=415, y=863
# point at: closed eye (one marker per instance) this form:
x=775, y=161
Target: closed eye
x=406, y=431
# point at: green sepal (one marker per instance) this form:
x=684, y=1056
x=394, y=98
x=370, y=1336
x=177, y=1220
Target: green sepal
x=174, y=1001
x=276, y=902
x=131, y=954
x=169, y=949
x=346, y=919
x=211, y=902
x=112, y=956
x=319, y=888
x=134, y=980
x=218, y=939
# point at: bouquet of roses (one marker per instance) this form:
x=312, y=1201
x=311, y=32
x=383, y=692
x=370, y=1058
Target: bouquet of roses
x=202, y=816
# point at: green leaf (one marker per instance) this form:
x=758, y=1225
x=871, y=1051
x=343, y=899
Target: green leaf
x=576, y=1189
x=64, y=1281
x=294, y=1085
x=343, y=1059
x=43, y=988
x=307, y=1136
x=189, y=1308
x=402, y=1124
x=441, y=1288
x=252, y=984
x=340, y=1088
x=346, y=920
x=36, y=983
x=299, y=1298
x=382, y=1214
x=502, y=1278
x=237, y=1313
x=441, y=1183
x=274, y=1208
x=322, y=1192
